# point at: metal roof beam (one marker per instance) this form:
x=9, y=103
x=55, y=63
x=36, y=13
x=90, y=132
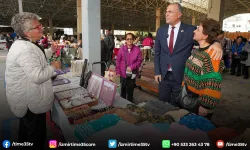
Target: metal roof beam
x=242, y=3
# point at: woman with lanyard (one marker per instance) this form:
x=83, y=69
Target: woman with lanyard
x=28, y=79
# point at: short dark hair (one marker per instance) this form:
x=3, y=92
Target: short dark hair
x=239, y=37
x=150, y=35
x=221, y=32
x=211, y=28
x=133, y=36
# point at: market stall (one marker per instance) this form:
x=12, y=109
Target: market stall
x=97, y=113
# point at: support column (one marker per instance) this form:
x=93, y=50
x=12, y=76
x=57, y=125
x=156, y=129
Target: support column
x=91, y=25
x=79, y=17
x=216, y=10
x=20, y=4
x=193, y=21
x=158, y=18
x=51, y=27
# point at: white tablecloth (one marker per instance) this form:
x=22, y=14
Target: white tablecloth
x=59, y=117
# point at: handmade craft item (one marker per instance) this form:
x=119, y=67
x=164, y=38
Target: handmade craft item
x=128, y=116
x=150, y=116
x=71, y=110
x=91, y=115
x=94, y=85
x=108, y=91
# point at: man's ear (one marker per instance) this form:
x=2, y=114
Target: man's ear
x=179, y=15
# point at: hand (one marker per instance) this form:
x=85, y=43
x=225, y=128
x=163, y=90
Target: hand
x=158, y=78
x=217, y=53
x=202, y=111
x=235, y=53
x=129, y=69
x=54, y=46
x=53, y=67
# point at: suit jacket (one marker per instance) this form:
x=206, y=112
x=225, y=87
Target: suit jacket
x=182, y=50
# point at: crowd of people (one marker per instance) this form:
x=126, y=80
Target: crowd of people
x=235, y=55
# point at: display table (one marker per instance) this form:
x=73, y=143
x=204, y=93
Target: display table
x=160, y=122
x=58, y=116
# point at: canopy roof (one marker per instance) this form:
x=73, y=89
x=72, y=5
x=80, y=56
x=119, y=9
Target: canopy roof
x=125, y=14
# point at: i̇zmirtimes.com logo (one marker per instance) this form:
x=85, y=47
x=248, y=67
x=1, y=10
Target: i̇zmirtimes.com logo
x=6, y=144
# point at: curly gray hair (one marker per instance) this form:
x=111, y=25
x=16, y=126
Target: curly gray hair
x=21, y=22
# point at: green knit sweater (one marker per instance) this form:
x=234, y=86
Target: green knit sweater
x=203, y=76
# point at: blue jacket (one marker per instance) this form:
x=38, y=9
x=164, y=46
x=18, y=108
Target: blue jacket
x=182, y=50
x=239, y=48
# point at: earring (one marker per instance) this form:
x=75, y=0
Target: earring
x=30, y=39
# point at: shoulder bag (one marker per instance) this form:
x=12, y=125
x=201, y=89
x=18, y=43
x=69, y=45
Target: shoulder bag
x=187, y=99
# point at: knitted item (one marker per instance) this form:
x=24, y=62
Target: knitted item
x=158, y=107
x=83, y=131
x=177, y=114
x=195, y=122
x=203, y=77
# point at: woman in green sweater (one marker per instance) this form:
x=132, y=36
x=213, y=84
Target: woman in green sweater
x=203, y=74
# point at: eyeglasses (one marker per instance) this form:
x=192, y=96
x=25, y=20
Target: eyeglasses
x=129, y=39
x=38, y=27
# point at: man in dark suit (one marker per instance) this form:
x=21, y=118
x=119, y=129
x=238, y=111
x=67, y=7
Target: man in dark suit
x=173, y=45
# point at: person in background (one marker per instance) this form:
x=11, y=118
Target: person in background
x=104, y=55
x=72, y=39
x=236, y=50
x=137, y=41
x=123, y=41
x=128, y=60
x=246, y=63
x=110, y=42
x=28, y=80
x=202, y=74
x=118, y=45
x=13, y=36
x=49, y=37
x=45, y=42
x=9, y=41
x=147, y=44
x=79, y=43
x=173, y=45
x=226, y=47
